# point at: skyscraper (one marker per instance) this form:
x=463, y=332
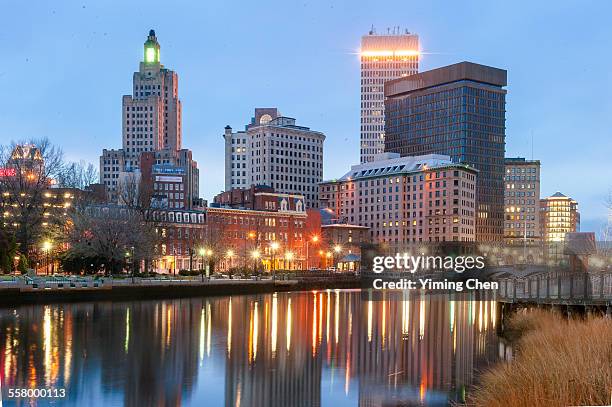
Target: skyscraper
x=458, y=110
x=151, y=122
x=522, y=201
x=274, y=151
x=383, y=57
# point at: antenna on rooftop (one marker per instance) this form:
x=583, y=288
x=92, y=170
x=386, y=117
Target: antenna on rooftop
x=372, y=30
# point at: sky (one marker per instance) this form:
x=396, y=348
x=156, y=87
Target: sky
x=65, y=65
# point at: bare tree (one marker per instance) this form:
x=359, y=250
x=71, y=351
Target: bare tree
x=117, y=235
x=78, y=175
x=30, y=168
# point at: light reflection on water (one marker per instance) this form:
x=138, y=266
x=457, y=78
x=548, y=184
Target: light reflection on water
x=283, y=349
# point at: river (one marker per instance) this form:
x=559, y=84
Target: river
x=330, y=348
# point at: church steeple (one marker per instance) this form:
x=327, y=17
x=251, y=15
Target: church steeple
x=151, y=49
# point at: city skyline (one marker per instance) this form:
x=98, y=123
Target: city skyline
x=225, y=94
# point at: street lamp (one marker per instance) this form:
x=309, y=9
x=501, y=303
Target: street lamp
x=289, y=257
x=315, y=240
x=251, y=235
x=202, y=252
x=274, y=247
x=47, y=245
x=230, y=254
x=255, y=254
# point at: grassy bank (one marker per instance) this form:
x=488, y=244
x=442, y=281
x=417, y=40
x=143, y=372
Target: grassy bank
x=558, y=362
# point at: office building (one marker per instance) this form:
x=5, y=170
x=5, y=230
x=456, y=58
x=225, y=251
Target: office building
x=383, y=57
x=558, y=215
x=151, y=123
x=522, y=201
x=274, y=151
x=406, y=200
x=459, y=111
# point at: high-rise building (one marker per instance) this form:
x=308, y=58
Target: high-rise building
x=458, y=110
x=151, y=122
x=558, y=215
x=274, y=151
x=383, y=57
x=406, y=200
x=522, y=201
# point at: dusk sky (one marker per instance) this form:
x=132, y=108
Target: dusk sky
x=65, y=66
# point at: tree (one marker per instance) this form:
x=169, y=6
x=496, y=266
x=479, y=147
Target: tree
x=30, y=169
x=113, y=235
x=77, y=175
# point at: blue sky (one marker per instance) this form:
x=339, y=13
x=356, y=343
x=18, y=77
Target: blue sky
x=65, y=65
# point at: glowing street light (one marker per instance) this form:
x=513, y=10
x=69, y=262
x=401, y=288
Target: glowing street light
x=337, y=248
x=255, y=255
x=230, y=254
x=46, y=246
x=274, y=246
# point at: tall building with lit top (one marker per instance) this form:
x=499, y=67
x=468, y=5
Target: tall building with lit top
x=383, y=57
x=151, y=122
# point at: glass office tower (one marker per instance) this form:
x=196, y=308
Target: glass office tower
x=457, y=110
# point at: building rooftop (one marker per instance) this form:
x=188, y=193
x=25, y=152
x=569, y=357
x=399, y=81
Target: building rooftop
x=520, y=160
x=391, y=164
x=452, y=73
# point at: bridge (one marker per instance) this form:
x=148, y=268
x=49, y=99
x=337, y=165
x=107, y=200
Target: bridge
x=567, y=291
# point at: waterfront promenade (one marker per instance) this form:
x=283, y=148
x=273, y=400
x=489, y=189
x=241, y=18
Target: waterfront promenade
x=39, y=289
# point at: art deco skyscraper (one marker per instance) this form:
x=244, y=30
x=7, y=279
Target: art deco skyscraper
x=383, y=57
x=151, y=123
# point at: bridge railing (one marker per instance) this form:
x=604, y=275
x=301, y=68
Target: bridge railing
x=558, y=286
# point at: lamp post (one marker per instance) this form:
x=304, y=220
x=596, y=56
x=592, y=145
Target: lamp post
x=273, y=247
x=47, y=248
x=129, y=255
x=209, y=253
x=230, y=254
x=314, y=240
x=337, y=251
x=289, y=257
x=251, y=235
x=255, y=256
x=202, y=252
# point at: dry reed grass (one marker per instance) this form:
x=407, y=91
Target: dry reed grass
x=559, y=363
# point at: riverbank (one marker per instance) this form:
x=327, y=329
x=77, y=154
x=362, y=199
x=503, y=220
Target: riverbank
x=160, y=289
x=559, y=362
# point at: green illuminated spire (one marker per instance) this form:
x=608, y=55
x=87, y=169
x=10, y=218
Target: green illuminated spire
x=151, y=49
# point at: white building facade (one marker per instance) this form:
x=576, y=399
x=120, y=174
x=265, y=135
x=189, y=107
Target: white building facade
x=383, y=57
x=274, y=151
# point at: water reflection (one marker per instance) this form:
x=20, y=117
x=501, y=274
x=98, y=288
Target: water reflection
x=285, y=349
